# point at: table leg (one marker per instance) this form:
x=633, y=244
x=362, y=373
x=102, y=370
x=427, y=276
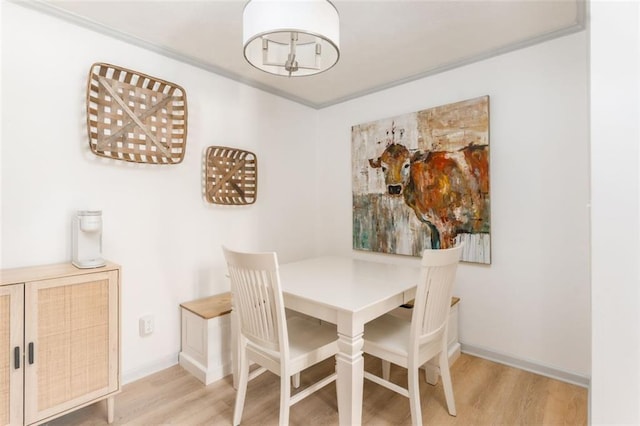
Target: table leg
x=431, y=372
x=350, y=369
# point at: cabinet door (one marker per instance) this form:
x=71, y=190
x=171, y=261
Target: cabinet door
x=71, y=342
x=11, y=360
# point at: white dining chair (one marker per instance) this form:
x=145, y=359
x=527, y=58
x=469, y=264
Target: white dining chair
x=411, y=344
x=284, y=346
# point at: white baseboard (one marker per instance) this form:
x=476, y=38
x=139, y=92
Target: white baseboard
x=533, y=367
x=149, y=368
x=207, y=377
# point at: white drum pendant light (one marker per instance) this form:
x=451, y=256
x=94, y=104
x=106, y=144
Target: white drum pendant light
x=291, y=37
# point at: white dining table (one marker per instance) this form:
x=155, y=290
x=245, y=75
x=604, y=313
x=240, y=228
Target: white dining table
x=347, y=292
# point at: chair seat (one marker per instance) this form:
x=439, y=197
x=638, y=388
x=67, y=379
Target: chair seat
x=387, y=333
x=388, y=337
x=309, y=343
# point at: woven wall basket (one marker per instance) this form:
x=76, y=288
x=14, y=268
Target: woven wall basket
x=231, y=176
x=134, y=117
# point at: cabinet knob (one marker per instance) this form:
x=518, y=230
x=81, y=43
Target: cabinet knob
x=31, y=353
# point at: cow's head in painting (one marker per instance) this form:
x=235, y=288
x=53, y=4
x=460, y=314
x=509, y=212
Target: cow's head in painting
x=395, y=163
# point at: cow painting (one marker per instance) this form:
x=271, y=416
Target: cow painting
x=448, y=191
x=421, y=180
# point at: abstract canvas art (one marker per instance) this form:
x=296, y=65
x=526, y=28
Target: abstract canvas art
x=421, y=180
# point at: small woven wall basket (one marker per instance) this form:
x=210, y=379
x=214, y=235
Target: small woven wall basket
x=135, y=117
x=231, y=176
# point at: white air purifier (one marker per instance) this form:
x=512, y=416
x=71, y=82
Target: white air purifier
x=87, y=239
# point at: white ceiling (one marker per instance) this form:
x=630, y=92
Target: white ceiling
x=383, y=43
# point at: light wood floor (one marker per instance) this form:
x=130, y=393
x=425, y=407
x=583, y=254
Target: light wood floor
x=486, y=393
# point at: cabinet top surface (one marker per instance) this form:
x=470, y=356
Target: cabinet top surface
x=43, y=272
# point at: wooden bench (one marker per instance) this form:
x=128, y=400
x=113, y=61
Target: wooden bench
x=206, y=337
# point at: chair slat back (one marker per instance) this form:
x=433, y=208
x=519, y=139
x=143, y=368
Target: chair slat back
x=433, y=296
x=257, y=297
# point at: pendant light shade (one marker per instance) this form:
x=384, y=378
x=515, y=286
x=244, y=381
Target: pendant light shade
x=291, y=37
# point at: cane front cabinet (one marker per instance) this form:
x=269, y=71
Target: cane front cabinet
x=59, y=341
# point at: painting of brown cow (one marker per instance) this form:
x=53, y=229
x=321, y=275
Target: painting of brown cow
x=421, y=180
x=448, y=191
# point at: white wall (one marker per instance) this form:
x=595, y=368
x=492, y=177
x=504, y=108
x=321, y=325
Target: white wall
x=532, y=303
x=615, y=262
x=156, y=224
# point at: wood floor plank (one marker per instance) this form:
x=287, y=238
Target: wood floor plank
x=486, y=393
